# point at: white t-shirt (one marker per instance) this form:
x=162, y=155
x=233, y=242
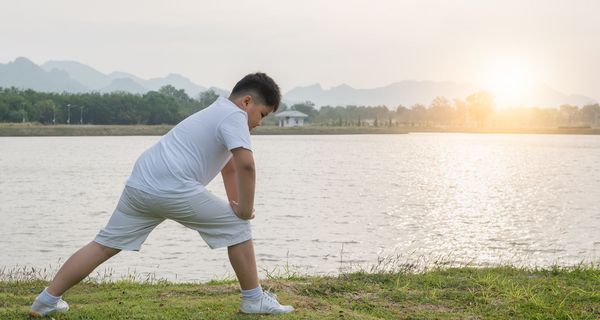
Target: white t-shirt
x=189, y=156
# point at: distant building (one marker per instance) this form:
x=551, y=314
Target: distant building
x=290, y=118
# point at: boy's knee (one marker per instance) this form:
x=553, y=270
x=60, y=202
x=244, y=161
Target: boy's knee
x=241, y=244
x=107, y=251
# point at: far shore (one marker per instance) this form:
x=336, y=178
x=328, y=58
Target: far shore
x=34, y=129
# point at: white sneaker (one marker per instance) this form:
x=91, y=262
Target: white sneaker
x=267, y=304
x=41, y=309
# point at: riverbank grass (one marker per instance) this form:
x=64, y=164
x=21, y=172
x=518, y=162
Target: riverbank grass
x=456, y=293
x=38, y=130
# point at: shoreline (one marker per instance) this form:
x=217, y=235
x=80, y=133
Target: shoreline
x=37, y=130
x=465, y=293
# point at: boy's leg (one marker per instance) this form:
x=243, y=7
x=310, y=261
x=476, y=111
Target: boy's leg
x=254, y=299
x=79, y=266
x=219, y=226
x=243, y=262
x=128, y=227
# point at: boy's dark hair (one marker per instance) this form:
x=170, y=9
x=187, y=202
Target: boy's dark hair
x=261, y=87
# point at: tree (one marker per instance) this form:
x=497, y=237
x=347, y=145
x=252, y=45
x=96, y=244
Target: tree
x=481, y=106
x=353, y=112
x=168, y=105
x=282, y=107
x=569, y=112
x=418, y=114
x=402, y=114
x=3, y=111
x=177, y=94
x=207, y=97
x=440, y=111
x=45, y=111
x=163, y=109
x=327, y=114
x=462, y=112
x=381, y=115
x=590, y=114
x=307, y=108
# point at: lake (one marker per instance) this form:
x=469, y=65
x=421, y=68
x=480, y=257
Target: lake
x=324, y=203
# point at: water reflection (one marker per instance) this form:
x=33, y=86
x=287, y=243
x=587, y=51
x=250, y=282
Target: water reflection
x=325, y=202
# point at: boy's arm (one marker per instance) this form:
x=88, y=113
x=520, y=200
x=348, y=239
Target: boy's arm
x=229, y=180
x=243, y=161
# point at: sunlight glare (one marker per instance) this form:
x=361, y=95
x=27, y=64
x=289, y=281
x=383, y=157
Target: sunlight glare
x=510, y=82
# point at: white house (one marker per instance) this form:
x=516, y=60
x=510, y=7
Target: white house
x=291, y=118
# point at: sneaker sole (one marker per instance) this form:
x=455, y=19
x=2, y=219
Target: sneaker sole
x=264, y=313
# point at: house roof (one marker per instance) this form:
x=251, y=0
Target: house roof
x=292, y=114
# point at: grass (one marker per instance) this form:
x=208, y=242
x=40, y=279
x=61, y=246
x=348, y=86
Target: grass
x=32, y=129
x=453, y=293
x=35, y=129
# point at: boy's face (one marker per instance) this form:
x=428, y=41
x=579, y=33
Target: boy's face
x=256, y=111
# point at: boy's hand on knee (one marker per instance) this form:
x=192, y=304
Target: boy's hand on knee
x=235, y=207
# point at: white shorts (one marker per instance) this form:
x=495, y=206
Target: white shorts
x=139, y=212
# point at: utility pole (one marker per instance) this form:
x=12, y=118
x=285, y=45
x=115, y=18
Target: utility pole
x=80, y=114
x=68, y=113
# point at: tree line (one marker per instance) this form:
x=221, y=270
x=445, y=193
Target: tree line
x=476, y=110
x=170, y=105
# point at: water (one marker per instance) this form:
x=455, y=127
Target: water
x=324, y=203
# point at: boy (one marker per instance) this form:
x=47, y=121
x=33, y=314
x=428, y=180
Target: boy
x=168, y=182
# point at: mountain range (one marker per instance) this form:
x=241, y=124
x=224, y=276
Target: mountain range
x=75, y=77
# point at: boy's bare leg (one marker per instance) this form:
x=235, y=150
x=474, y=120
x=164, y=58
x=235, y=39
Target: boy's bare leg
x=243, y=262
x=242, y=259
x=79, y=266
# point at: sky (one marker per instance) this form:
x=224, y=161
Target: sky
x=364, y=44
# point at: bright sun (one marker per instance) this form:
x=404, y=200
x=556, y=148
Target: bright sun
x=510, y=82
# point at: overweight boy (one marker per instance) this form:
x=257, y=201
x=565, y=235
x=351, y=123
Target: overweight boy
x=168, y=182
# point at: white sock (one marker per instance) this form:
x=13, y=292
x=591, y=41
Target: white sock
x=252, y=293
x=47, y=298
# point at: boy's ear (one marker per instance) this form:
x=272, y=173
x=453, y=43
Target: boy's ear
x=246, y=100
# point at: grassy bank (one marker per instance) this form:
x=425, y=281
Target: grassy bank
x=461, y=293
x=404, y=130
x=273, y=130
x=28, y=129
x=560, y=130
